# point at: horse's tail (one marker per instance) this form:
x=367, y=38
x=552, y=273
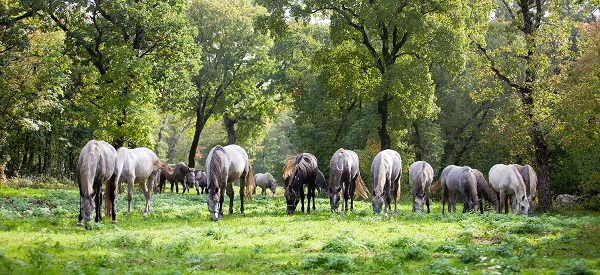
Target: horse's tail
x=250, y=184
x=532, y=188
x=159, y=165
x=361, y=188
x=472, y=180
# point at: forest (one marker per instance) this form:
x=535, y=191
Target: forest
x=450, y=82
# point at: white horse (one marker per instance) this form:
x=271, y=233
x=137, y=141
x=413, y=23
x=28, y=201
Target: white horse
x=456, y=179
x=420, y=176
x=345, y=179
x=530, y=179
x=224, y=165
x=386, y=169
x=265, y=180
x=95, y=166
x=506, y=180
x=137, y=165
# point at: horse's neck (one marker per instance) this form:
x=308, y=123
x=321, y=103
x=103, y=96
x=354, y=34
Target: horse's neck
x=518, y=185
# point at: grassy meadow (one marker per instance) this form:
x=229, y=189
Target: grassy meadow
x=38, y=235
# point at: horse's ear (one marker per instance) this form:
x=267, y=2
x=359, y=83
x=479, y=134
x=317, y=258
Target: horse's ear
x=523, y=198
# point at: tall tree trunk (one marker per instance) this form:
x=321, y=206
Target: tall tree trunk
x=199, y=126
x=230, y=127
x=382, y=110
x=417, y=142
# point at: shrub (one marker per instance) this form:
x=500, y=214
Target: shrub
x=415, y=253
x=329, y=262
x=341, y=244
x=470, y=255
x=447, y=247
x=576, y=267
x=442, y=266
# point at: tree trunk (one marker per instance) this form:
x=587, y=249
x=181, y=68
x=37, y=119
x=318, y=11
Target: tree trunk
x=382, y=110
x=200, y=123
x=230, y=127
x=541, y=157
x=417, y=142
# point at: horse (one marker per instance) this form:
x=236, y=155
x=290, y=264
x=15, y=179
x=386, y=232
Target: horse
x=137, y=165
x=483, y=191
x=345, y=179
x=265, y=180
x=506, y=180
x=224, y=165
x=321, y=184
x=175, y=174
x=200, y=182
x=420, y=176
x=530, y=179
x=455, y=179
x=386, y=169
x=299, y=170
x=95, y=166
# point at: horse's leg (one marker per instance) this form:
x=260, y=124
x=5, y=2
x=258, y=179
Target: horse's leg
x=302, y=200
x=113, y=197
x=221, y=200
x=444, y=198
x=501, y=200
x=242, y=192
x=147, y=195
x=427, y=202
x=98, y=201
x=395, y=194
x=230, y=194
x=466, y=200
x=311, y=193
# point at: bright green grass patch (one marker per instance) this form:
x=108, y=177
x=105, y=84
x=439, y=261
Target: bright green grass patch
x=38, y=235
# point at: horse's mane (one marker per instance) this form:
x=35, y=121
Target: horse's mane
x=305, y=162
x=472, y=188
x=381, y=176
x=216, y=166
x=89, y=165
x=420, y=180
x=289, y=166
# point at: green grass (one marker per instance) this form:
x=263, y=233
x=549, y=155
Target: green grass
x=38, y=234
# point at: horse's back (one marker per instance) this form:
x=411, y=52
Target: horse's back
x=138, y=162
x=505, y=177
x=423, y=169
x=391, y=160
x=97, y=157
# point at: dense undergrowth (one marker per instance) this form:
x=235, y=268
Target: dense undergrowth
x=38, y=234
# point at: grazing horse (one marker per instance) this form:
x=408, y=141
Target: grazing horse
x=300, y=170
x=420, y=176
x=175, y=174
x=321, y=183
x=95, y=166
x=455, y=179
x=506, y=180
x=483, y=191
x=200, y=182
x=386, y=169
x=265, y=180
x=137, y=165
x=224, y=165
x=530, y=179
x=345, y=179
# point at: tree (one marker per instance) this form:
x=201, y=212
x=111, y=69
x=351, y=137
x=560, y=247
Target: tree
x=132, y=47
x=401, y=39
x=234, y=60
x=534, y=41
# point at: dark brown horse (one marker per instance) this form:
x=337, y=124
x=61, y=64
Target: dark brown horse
x=175, y=174
x=484, y=191
x=300, y=170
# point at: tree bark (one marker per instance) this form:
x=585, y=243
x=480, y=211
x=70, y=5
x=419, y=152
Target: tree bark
x=382, y=110
x=200, y=123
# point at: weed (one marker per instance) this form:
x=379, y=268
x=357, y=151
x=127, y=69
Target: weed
x=415, y=253
x=470, y=255
x=178, y=248
x=447, y=247
x=131, y=240
x=341, y=244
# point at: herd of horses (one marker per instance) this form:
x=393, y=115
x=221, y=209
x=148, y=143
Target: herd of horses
x=100, y=164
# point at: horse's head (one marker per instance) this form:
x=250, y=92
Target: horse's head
x=213, y=199
x=190, y=177
x=273, y=186
x=377, y=203
x=523, y=205
x=87, y=207
x=335, y=193
x=418, y=202
x=293, y=189
x=531, y=205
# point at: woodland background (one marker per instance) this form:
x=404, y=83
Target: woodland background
x=451, y=82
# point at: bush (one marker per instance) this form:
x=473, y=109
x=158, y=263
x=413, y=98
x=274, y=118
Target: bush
x=341, y=244
x=329, y=262
x=470, y=255
x=576, y=267
x=442, y=266
x=415, y=253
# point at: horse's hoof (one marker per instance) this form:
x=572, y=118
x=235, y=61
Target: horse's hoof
x=114, y=222
x=79, y=224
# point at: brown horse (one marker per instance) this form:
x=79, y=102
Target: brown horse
x=175, y=174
